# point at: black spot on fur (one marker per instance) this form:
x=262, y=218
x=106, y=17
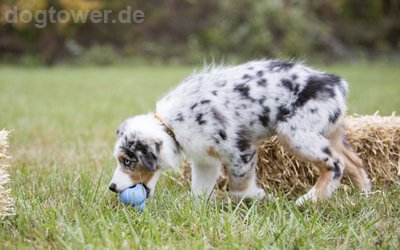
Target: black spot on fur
x=279, y=66
x=194, y=106
x=246, y=76
x=277, y=99
x=239, y=175
x=333, y=78
x=218, y=116
x=205, y=102
x=128, y=151
x=140, y=146
x=199, y=119
x=293, y=128
x=333, y=117
x=246, y=158
x=294, y=77
x=216, y=140
x=338, y=173
x=250, y=68
x=262, y=99
x=313, y=110
x=148, y=155
x=179, y=117
x=260, y=73
x=264, y=117
x=121, y=129
x=287, y=84
x=283, y=113
x=214, y=92
x=296, y=89
x=262, y=82
x=244, y=90
x=327, y=151
x=317, y=84
x=222, y=134
x=242, y=142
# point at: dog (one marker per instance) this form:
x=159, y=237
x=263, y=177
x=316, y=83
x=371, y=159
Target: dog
x=221, y=115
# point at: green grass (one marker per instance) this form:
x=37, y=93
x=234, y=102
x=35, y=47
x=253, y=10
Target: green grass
x=64, y=122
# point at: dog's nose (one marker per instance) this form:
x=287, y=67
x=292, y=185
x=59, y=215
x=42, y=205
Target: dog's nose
x=113, y=187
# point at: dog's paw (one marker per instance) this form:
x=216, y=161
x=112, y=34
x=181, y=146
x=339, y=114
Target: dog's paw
x=366, y=190
x=310, y=196
x=254, y=193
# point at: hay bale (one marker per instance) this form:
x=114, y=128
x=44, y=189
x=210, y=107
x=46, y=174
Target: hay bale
x=6, y=202
x=376, y=140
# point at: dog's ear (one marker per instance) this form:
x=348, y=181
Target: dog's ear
x=148, y=154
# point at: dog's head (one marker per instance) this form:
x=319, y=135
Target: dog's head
x=142, y=151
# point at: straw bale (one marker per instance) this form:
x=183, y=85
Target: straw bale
x=6, y=202
x=376, y=140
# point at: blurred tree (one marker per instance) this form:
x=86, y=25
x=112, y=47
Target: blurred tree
x=46, y=42
x=188, y=30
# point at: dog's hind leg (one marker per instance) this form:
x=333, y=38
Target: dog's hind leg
x=242, y=180
x=354, y=167
x=204, y=176
x=315, y=148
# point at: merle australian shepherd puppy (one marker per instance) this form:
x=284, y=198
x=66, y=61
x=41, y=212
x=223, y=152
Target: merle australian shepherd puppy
x=221, y=116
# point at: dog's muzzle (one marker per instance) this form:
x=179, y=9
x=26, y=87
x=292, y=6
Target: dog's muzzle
x=113, y=187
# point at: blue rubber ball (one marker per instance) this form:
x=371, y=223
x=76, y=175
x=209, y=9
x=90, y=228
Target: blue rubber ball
x=134, y=196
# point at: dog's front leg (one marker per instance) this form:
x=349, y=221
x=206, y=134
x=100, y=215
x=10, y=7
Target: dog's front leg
x=204, y=176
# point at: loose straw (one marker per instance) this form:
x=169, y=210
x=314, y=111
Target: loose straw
x=6, y=202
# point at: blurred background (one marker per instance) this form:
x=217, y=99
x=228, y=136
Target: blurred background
x=188, y=31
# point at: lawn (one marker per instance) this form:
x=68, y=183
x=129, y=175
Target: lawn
x=64, y=121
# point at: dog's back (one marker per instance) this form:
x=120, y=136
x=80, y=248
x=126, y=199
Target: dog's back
x=251, y=99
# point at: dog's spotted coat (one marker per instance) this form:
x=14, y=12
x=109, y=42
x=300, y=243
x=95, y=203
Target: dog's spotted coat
x=222, y=115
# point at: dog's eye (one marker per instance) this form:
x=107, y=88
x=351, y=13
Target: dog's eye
x=127, y=163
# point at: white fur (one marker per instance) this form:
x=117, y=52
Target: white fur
x=204, y=176
x=152, y=184
x=123, y=181
x=308, y=196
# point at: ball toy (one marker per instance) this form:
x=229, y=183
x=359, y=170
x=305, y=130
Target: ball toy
x=134, y=196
